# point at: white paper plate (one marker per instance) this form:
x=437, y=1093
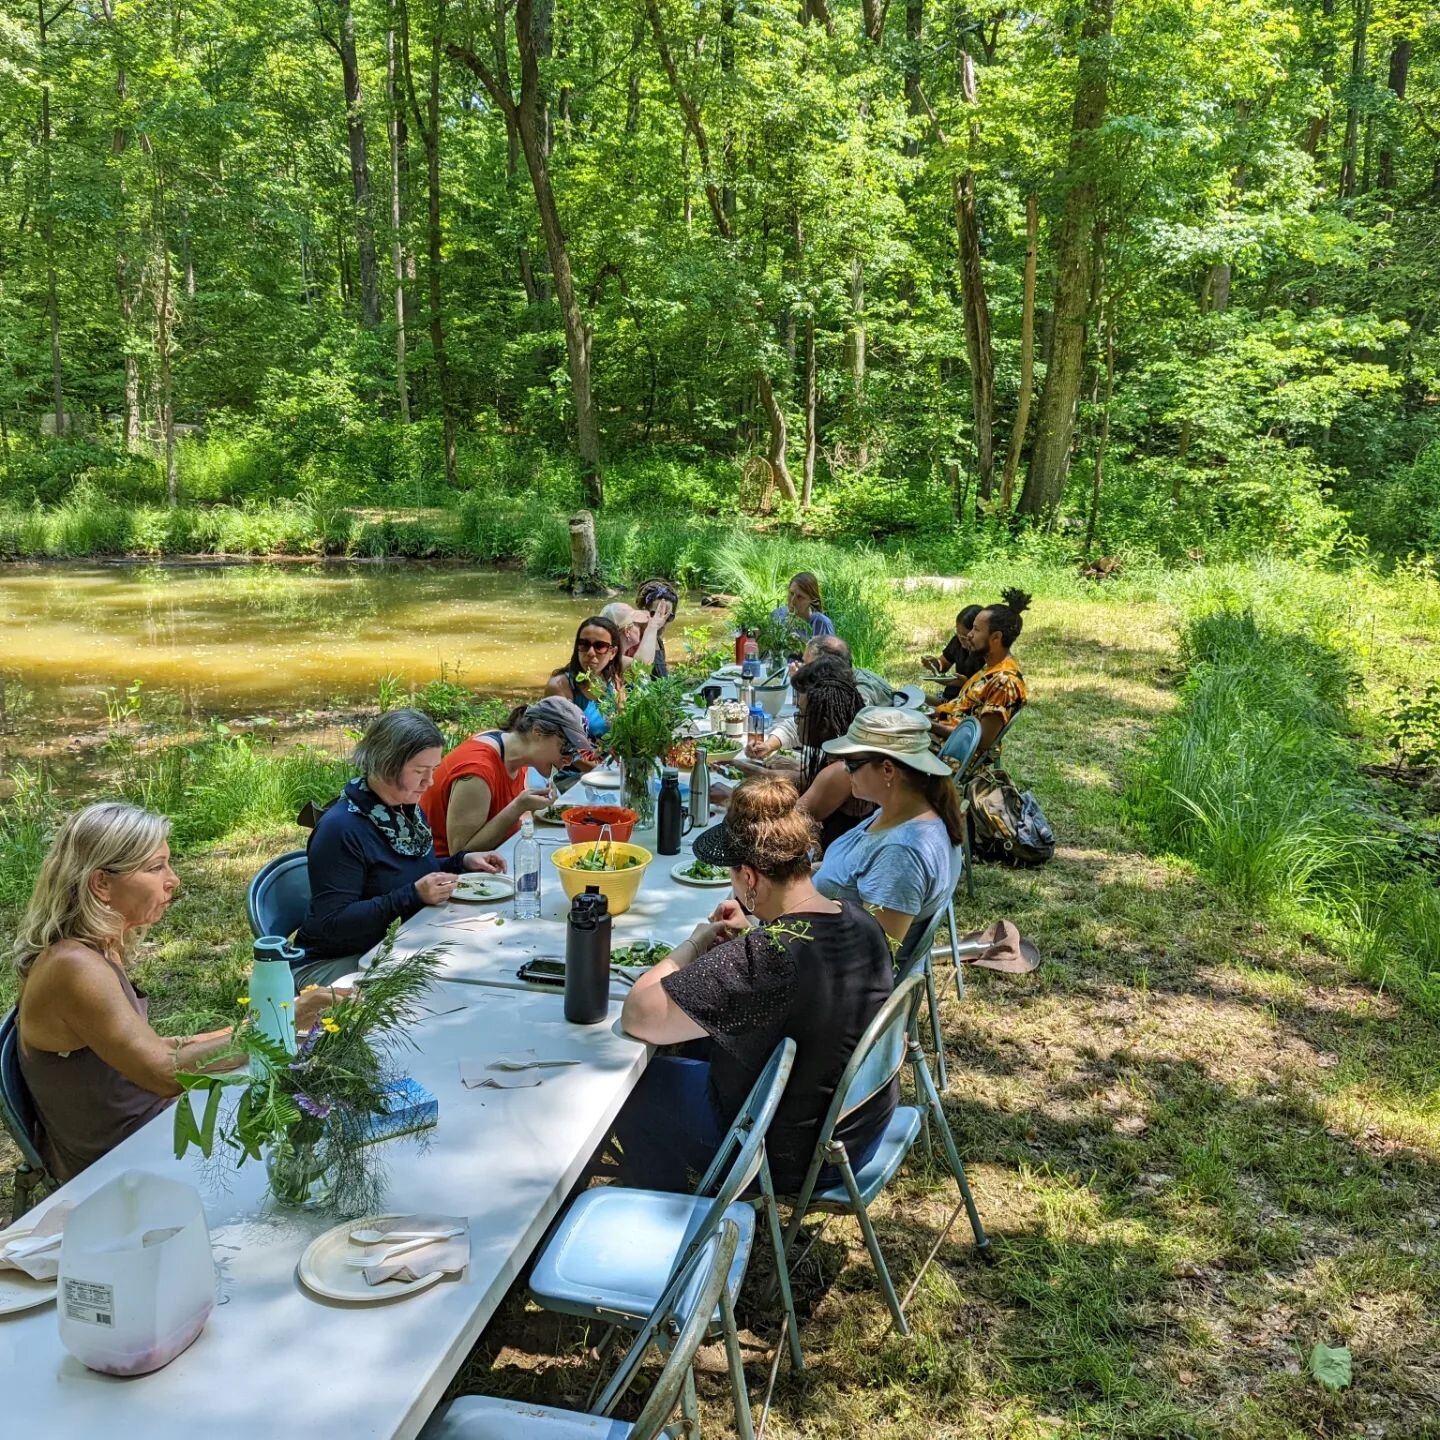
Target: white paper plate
x=541, y=818
x=18, y=1291
x=322, y=1268
x=478, y=889
x=601, y=779
x=677, y=873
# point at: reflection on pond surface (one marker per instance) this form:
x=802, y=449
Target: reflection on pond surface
x=244, y=638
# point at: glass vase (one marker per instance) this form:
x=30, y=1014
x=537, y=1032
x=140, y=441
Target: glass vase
x=635, y=777
x=301, y=1172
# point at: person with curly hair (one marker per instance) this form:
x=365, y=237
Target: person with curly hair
x=995, y=693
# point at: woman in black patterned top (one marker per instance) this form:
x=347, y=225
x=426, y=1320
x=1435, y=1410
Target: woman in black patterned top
x=797, y=965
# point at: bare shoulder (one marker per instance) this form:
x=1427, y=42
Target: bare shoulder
x=74, y=968
x=559, y=684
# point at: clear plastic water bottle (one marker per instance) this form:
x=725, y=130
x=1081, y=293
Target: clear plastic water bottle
x=750, y=666
x=754, y=728
x=527, y=871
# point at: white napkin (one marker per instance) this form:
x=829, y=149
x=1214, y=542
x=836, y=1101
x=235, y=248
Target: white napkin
x=38, y=1254
x=447, y=1256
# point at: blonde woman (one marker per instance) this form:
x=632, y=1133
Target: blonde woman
x=95, y=1068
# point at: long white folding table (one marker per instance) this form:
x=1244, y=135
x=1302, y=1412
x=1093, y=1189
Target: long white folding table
x=274, y=1361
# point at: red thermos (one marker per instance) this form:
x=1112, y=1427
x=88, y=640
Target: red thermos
x=741, y=636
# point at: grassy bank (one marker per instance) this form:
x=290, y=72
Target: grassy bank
x=1203, y=1137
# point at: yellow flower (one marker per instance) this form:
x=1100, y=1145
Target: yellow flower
x=328, y=1025
x=284, y=1004
x=243, y=1000
x=306, y=989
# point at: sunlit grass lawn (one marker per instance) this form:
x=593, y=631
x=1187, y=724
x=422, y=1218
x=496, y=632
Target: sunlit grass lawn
x=1200, y=1144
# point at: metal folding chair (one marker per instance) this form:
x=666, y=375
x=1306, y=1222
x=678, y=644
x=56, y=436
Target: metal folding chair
x=917, y=951
x=614, y=1252
x=17, y=1111
x=678, y=1324
x=887, y=1045
x=279, y=895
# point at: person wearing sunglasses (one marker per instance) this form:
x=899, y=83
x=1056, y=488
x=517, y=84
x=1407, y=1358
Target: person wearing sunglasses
x=900, y=862
x=597, y=658
x=479, y=792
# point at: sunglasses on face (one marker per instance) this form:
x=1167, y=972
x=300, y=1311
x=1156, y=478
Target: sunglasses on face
x=859, y=762
x=598, y=646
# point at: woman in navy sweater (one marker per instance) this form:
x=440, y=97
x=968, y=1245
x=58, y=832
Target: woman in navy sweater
x=371, y=858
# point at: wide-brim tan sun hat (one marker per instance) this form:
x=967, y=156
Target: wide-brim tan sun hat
x=899, y=735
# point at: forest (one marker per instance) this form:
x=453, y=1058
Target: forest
x=1163, y=274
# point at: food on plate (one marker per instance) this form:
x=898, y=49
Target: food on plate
x=681, y=755
x=642, y=952
x=717, y=745
x=699, y=870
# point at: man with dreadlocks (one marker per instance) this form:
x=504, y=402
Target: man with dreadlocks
x=993, y=694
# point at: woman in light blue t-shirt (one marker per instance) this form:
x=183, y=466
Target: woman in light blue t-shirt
x=903, y=862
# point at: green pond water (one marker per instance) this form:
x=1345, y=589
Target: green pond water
x=249, y=639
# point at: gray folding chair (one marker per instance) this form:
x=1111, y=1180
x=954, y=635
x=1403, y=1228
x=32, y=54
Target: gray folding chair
x=887, y=1045
x=678, y=1323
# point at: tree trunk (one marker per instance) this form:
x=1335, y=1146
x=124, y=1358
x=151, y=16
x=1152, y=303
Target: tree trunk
x=1102, y=439
x=976, y=307
x=428, y=123
x=528, y=114
x=584, y=556
x=807, y=486
x=855, y=348
x=164, y=324
x=47, y=235
x=395, y=128
x=1055, y=418
x=1399, y=79
x=1027, y=354
x=1349, y=165
x=779, y=436
x=359, y=165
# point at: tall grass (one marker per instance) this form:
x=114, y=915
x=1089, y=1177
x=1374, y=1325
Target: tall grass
x=1255, y=778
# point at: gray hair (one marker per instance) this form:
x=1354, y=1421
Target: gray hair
x=108, y=836
x=831, y=645
x=392, y=741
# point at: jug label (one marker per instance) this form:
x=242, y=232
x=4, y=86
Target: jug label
x=91, y=1304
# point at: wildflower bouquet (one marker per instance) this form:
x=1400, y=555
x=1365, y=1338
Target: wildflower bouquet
x=310, y=1114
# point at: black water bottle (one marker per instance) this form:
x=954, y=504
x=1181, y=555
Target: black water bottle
x=587, y=958
x=669, y=813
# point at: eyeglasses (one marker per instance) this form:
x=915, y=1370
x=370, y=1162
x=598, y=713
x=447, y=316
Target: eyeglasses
x=598, y=646
x=859, y=762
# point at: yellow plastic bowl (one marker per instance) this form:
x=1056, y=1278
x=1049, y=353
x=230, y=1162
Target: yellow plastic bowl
x=619, y=887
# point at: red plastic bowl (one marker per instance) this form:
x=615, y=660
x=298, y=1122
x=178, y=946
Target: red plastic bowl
x=585, y=822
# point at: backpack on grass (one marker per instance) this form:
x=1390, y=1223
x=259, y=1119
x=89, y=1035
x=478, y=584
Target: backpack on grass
x=1007, y=824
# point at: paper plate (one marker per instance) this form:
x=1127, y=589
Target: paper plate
x=480, y=889
x=677, y=873
x=601, y=779
x=18, y=1291
x=543, y=817
x=322, y=1268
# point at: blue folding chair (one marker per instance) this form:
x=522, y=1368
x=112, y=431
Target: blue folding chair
x=679, y=1323
x=615, y=1250
x=279, y=895
x=916, y=950
x=887, y=1045
x=17, y=1111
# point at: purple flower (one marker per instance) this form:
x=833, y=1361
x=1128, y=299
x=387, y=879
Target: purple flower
x=317, y=1108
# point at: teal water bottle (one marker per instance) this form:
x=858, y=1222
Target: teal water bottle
x=272, y=989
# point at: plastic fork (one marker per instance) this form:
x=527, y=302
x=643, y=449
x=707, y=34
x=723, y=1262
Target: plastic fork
x=385, y=1256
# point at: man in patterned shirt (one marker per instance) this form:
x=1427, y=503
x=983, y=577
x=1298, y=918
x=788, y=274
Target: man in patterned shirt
x=995, y=693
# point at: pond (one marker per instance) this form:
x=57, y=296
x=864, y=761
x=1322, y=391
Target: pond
x=235, y=640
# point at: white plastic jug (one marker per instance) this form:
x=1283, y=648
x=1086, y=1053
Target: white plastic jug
x=137, y=1281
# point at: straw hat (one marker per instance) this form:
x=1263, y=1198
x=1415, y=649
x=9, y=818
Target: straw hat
x=899, y=735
